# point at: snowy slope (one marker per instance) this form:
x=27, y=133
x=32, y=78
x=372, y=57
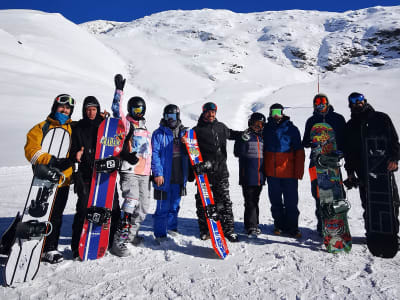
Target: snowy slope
x=243, y=63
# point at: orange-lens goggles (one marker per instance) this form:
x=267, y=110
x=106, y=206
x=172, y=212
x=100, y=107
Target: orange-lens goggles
x=320, y=100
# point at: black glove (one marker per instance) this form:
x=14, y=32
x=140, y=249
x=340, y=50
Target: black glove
x=129, y=157
x=202, y=167
x=351, y=182
x=119, y=82
x=60, y=163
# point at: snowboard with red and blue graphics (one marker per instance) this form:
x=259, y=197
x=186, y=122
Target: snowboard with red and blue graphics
x=214, y=224
x=95, y=233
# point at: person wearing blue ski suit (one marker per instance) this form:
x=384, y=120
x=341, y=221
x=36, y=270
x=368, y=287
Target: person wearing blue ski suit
x=283, y=166
x=169, y=167
x=323, y=113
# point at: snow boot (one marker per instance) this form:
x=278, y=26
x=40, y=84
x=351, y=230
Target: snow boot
x=53, y=257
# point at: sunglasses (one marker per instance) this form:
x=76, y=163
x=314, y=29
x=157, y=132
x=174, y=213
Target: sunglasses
x=320, y=100
x=276, y=112
x=355, y=99
x=170, y=116
x=65, y=99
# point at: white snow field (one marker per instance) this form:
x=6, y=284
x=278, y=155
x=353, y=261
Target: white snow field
x=242, y=62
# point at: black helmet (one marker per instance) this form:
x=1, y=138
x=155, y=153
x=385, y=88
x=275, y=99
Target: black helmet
x=61, y=100
x=171, y=109
x=256, y=117
x=275, y=106
x=90, y=101
x=136, y=107
x=209, y=106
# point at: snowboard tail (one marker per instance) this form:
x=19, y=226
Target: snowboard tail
x=213, y=222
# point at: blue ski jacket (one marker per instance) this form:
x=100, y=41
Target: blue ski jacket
x=161, y=162
x=251, y=160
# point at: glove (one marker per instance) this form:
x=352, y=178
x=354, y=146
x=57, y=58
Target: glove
x=202, y=167
x=60, y=163
x=119, y=82
x=129, y=157
x=351, y=182
x=246, y=135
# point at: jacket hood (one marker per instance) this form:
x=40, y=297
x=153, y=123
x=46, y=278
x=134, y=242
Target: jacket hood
x=366, y=111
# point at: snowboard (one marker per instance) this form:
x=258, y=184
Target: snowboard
x=96, y=229
x=23, y=241
x=333, y=203
x=213, y=222
x=382, y=238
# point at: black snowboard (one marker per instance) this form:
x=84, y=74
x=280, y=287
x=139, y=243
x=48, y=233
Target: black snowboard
x=382, y=200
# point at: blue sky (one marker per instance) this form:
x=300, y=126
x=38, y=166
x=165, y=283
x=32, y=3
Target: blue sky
x=79, y=11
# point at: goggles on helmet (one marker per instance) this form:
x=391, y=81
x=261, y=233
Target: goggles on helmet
x=65, y=99
x=276, y=112
x=137, y=110
x=170, y=116
x=320, y=100
x=357, y=98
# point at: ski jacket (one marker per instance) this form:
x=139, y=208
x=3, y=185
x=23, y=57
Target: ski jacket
x=212, y=139
x=139, y=142
x=33, y=147
x=162, y=154
x=283, y=152
x=334, y=119
x=251, y=160
x=368, y=124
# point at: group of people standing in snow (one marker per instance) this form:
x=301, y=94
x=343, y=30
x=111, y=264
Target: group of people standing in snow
x=268, y=150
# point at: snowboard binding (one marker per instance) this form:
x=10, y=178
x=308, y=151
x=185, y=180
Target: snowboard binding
x=39, y=206
x=98, y=215
x=107, y=165
x=33, y=230
x=329, y=161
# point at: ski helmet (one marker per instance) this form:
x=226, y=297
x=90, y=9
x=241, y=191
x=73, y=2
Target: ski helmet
x=256, y=116
x=136, y=107
x=90, y=101
x=63, y=99
x=276, y=109
x=320, y=102
x=171, y=115
x=209, y=106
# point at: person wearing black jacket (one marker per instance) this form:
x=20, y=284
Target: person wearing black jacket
x=83, y=149
x=211, y=136
x=364, y=123
x=323, y=113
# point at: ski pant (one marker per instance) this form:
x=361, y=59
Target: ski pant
x=166, y=215
x=251, y=195
x=51, y=241
x=284, y=209
x=80, y=216
x=223, y=204
x=315, y=194
x=135, y=191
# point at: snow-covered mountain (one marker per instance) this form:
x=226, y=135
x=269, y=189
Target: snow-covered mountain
x=244, y=63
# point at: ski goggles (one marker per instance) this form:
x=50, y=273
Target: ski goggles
x=170, y=116
x=65, y=99
x=320, y=100
x=137, y=110
x=276, y=112
x=357, y=98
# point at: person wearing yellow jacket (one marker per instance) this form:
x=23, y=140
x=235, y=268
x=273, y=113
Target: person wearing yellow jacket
x=60, y=116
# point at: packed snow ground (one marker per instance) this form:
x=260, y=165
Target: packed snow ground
x=42, y=55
